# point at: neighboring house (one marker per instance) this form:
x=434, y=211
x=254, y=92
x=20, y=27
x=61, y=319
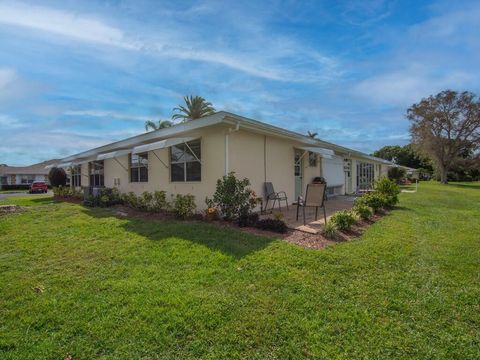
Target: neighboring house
x=191, y=156
x=24, y=175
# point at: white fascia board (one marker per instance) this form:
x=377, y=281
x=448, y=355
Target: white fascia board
x=113, y=154
x=64, y=165
x=160, y=144
x=268, y=129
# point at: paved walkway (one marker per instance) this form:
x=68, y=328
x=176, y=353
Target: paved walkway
x=331, y=206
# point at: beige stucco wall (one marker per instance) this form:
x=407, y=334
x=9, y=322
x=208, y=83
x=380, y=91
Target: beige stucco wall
x=263, y=158
x=213, y=160
x=255, y=156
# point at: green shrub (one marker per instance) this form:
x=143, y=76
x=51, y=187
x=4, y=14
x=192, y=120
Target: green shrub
x=343, y=220
x=184, y=206
x=248, y=219
x=131, y=200
x=363, y=211
x=373, y=200
x=146, y=201
x=274, y=225
x=232, y=197
x=160, y=202
x=389, y=189
x=106, y=197
x=67, y=192
x=330, y=230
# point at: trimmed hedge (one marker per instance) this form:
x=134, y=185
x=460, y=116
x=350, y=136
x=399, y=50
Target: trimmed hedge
x=274, y=225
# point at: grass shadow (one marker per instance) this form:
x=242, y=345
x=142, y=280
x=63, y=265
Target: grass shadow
x=402, y=208
x=473, y=185
x=229, y=241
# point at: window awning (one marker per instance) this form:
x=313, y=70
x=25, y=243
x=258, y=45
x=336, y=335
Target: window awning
x=325, y=153
x=113, y=154
x=161, y=144
x=64, y=165
x=81, y=162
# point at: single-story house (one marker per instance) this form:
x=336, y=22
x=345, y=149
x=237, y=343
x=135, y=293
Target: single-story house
x=188, y=158
x=24, y=175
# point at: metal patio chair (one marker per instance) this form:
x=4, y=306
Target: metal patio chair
x=314, y=197
x=270, y=194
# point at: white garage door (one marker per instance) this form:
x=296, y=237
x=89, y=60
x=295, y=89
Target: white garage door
x=332, y=170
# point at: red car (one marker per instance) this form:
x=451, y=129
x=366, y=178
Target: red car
x=38, y=187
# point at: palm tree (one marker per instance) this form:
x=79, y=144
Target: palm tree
x=195, y=107
x=162, y=124
x=312, y=135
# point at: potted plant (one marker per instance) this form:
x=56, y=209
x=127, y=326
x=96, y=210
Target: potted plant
x=319, y=180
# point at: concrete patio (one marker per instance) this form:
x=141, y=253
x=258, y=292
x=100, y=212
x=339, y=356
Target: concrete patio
x=332, y=205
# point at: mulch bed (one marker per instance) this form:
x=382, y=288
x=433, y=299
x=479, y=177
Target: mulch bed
x=68, y=199
x=297, y=237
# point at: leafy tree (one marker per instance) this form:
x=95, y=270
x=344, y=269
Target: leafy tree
x=312, y=135
x=396, y=173
x=161, y=124
x=444, y=126
x=405, y=156
x=57, y=177
x=195, y=107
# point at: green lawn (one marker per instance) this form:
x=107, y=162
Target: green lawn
x=130, y=288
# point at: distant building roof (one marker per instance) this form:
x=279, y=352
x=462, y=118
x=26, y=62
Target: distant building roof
x=35, y=169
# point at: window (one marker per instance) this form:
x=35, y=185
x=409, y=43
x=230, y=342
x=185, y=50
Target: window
x=365, y=176
x=312, y=159
x=27, y=179
x=76, y=178
x=139, y=167
x=185, y=162
x=96, y=173
x=3, y=180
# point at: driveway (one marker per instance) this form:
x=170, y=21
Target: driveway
x=9, y=195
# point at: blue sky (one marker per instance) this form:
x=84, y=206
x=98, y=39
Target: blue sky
x=79, y=74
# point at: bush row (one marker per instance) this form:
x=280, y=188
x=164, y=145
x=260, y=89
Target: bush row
x=385, y=196
x=182, y=206
x=67, y=192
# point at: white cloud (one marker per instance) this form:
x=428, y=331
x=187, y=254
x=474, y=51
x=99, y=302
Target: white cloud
x=6, y=77
x=8, y=122
x=305, y=65
x=63, y=23
x=108, y=114
x=13, y=87
x=409, y=85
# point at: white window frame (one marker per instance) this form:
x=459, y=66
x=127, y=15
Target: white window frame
x=137, y=166
x=184, y=162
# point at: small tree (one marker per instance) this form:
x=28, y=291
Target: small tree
x=232, y=196
x=444, y=126
x=57, y=177
x=396, y=173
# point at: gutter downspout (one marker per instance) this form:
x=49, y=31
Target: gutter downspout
x=227, y=135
